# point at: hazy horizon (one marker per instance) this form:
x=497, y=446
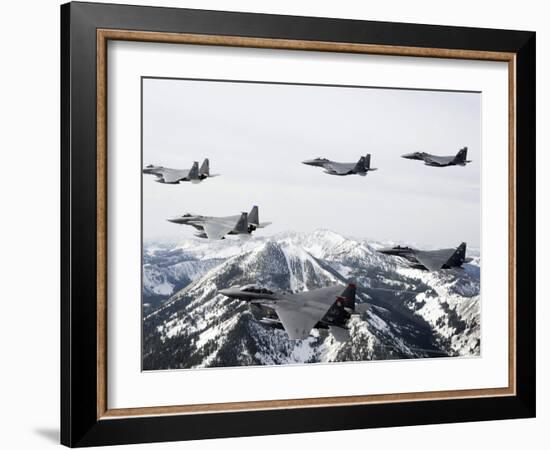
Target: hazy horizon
x=256, y=136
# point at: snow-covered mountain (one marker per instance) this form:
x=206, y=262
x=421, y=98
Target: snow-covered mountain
x=169, y=267
x=411, y=313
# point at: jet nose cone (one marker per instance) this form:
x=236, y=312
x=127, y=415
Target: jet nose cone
x=314, y=162
x=225, y=292
x=408, y=156
x=174, y=219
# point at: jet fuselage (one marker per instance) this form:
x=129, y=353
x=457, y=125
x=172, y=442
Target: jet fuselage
x=430, y=259
x=440, y=161
x=361, y=167
x=264, y=301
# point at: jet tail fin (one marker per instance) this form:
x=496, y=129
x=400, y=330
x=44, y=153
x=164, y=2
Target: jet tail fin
x=194, y=172
x=205, y=168
x=242, y=224
x=367, y=161
x=460, y=157
x=253, y=216
x=361, y=165
x=347, y=298
x=458, y=257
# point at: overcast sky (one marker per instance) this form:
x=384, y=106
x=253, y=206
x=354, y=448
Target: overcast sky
x=256, y=136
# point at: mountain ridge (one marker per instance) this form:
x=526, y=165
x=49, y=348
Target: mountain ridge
x=410, y=313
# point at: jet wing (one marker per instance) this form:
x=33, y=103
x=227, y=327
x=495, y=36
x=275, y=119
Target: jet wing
x=339, y=168
x=173, y=176
x=434, y=259
x=340, y=334
x=300, y=312
x=438, y=160
x=217, y=229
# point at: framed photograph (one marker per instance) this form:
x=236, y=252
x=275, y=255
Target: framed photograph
x=277, y=224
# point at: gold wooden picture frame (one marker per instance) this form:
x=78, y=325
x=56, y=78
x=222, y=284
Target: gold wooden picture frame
x=105, y=35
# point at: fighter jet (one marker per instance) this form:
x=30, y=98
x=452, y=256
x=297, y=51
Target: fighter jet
x=440, y=161
x=361, y=167
x=218, y=227
x=174, y=176
x=430, y=259
x=326, y=308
